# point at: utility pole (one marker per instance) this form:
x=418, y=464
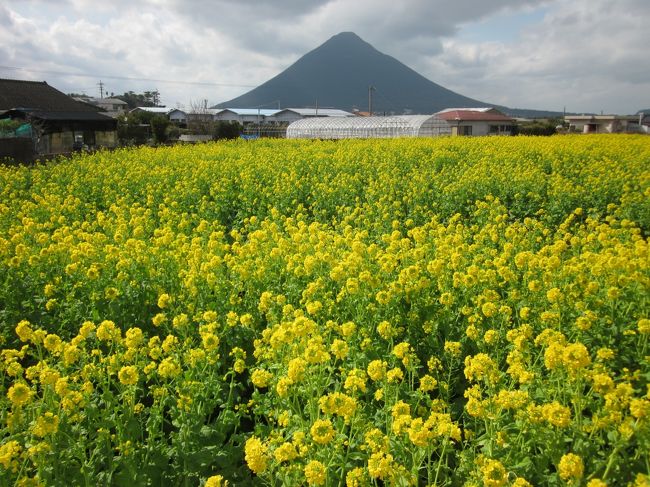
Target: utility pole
x=370, y=90
x=101, y=89
x=316, y=106
x=259, y=113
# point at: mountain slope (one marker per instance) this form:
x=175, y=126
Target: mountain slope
x=338, y=73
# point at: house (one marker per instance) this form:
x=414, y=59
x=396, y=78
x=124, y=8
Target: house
x=154, y=110
x=59, y=124
x=113, y=107
x=605, y=124
x=177, y=116
x=244, y=115
x=292, y=114
x=477, y=121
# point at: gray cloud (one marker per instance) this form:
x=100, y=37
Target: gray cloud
x=587, y=55
x=5, y=17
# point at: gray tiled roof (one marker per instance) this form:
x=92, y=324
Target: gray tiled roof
x=38, y=95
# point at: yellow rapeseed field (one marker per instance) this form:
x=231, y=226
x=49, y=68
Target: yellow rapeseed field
x=456, y=311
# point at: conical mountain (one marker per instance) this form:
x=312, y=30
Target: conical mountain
x=337, y=74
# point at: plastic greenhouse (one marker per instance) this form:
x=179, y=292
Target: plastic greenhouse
x=368, y=127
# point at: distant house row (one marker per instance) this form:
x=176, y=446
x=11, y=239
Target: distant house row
x=463, y=121
x=452, y=121
x=244, y=115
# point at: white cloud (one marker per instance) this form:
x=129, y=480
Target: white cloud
x=586, y=54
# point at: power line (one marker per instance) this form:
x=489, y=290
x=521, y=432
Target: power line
x=126, y=78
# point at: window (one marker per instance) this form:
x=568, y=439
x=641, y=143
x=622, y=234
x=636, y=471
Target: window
x=466, y=130
x=89, y=137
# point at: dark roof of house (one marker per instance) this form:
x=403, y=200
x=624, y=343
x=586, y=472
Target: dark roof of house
x=74, y=116
x=473, y=116
x=38, y=95
x=53, y=120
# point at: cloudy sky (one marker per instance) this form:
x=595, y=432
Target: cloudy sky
x=585, y=55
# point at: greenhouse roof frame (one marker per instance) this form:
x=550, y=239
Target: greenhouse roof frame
x=368, y=127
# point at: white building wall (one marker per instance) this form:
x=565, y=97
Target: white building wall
x=478, y=128
x=251, y=119
x=178, y=116
x=234, y=117
x=227, y=116
x=285, y=117
x=603, y=124
x=578, y=126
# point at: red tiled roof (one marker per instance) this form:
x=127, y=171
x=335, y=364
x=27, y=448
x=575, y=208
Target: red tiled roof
x=473, y=116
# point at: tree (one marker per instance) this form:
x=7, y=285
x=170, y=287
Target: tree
x=140, y=127
x=146, y=99
x=152, y=97
x=131, y=130
x=8, y=126
x=199, y=118
x=159, y=126
x=538, y=127
x=227, y=130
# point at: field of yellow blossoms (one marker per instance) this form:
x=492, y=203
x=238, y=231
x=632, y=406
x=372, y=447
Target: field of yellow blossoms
x=459, y=311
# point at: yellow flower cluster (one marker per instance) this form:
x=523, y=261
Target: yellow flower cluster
x=397, y=312
x=256, y=455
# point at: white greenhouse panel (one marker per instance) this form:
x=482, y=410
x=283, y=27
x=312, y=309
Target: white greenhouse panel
x=368, y=127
